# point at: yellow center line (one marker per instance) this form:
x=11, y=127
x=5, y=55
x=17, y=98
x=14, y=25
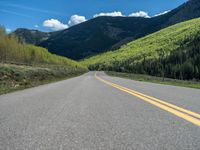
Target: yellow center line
x=162, y=102
x=178, y=111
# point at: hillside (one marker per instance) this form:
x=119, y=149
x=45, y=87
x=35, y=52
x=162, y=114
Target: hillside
x=32, y=36
x=109, y=33
x=11, y=50
x=173, y=52
x=23, y=65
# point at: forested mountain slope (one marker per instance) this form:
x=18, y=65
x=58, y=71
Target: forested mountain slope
x=172, y=52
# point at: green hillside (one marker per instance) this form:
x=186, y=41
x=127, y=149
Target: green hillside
x=23, y=65
x=173, y=52
x=13, y=51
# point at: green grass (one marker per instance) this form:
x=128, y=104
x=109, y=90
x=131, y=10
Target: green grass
x=17, y=77
x=153, y=79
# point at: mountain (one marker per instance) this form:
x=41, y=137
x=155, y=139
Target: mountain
x=187, y=11
x=96, y=36
x=109, y=33
x=172, y=52
x=32, y=36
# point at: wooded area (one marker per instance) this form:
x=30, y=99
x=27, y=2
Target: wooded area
x=173, y=52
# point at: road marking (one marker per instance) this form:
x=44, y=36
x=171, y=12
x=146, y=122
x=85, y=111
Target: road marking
x=178, y=111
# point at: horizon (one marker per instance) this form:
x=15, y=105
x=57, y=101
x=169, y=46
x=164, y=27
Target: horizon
x=58, y=16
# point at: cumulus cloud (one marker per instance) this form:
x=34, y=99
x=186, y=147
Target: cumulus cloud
x=162, y=13
x=76, y=19
x=54, y=24
x=140, y=14
x=36, y=26
x=112, y=14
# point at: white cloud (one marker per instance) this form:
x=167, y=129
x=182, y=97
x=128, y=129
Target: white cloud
x=54, y=24
x=8, y=30
x=36, y=26
x=162, y=13
x=112, y=14
x=140, y=14
x=76, y=19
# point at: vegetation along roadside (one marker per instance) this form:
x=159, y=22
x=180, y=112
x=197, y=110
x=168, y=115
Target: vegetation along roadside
x=23, y=65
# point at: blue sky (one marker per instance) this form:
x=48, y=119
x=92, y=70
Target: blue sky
x=48, y=15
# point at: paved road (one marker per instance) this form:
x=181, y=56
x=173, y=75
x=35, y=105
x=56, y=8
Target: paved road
x=85, y=113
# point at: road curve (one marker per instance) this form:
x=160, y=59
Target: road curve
x=84, y=113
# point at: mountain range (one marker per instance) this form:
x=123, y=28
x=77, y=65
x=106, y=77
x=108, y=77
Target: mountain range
x=105, y=33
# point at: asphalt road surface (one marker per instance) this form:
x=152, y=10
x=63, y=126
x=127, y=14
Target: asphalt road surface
x=100, y=113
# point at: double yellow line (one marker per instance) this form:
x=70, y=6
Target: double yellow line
x=177, y=111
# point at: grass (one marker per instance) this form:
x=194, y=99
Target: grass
x=153, y=79
x=18, y=77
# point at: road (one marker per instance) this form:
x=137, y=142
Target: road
x=100, y=113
